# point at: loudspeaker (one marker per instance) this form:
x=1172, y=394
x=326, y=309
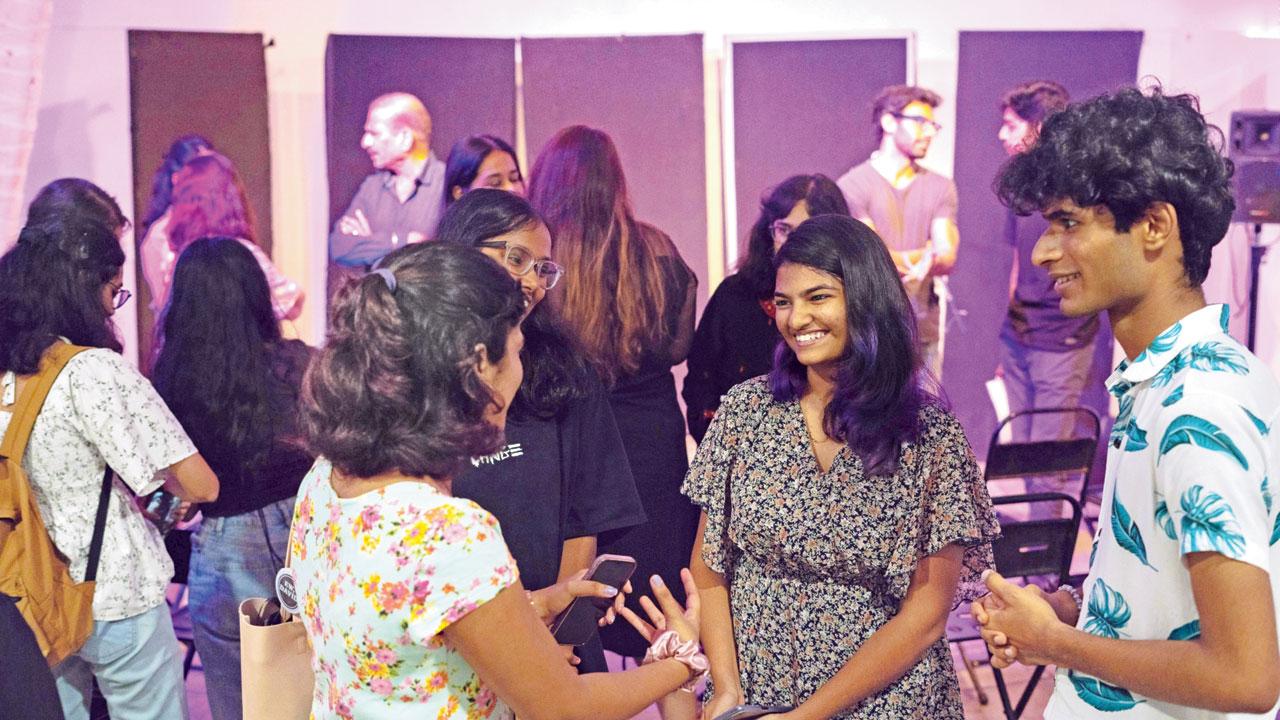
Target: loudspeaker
x=1254, y=147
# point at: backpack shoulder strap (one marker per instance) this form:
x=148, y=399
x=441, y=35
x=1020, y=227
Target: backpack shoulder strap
x=32, y=399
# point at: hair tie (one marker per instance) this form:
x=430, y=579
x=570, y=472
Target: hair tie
x=388, y=277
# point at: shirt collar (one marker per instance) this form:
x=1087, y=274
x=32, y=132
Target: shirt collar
x=1197, y=327
x=423, y=177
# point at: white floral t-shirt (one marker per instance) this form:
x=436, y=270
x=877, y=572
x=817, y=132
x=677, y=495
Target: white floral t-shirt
x=101, y=411
x=1189, y=470
x=380, y=576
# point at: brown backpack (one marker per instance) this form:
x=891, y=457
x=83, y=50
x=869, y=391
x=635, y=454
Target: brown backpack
x=58, y=609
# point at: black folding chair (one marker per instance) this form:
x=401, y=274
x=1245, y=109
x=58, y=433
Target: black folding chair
x=1027, y=551
x=1069, y=461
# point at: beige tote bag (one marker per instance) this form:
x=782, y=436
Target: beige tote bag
x=276, y=680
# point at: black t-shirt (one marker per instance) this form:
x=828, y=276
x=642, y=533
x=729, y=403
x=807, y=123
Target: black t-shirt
x=1034, y=319
x=278, y=475
x=734, y=342
x=555, y=479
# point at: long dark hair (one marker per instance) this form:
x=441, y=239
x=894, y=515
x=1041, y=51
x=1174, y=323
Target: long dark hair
x=465, y=159
x=818, y=192
x=214, y=367
x=875, y=406
x=396, y=385
x=614, y=295
x=554, y=372
x=209, y=201
x=51, y=281
x=180, y=153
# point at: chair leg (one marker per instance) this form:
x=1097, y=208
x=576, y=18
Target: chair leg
x=969, y=666
x=1012, y=712
x=1004, y=694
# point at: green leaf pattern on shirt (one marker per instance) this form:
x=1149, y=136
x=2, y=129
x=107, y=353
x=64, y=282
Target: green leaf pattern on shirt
x=1209, y=525
x=1108, y=611
x=1194, y=430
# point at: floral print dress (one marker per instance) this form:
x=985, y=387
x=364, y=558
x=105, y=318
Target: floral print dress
x=380, y=576
x=822, y=560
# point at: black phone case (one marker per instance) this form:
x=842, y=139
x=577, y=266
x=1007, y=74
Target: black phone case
x=579, y=622
x=747, y=712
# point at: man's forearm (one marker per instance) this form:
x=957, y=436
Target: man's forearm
x=356, y=250
x=1182, y=672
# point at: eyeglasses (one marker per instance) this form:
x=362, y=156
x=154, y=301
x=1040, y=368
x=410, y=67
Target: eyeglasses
x=520, y=261
x=781, y=230
x=920, y=120
x=119, y=296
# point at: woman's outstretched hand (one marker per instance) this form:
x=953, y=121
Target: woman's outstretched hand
x=667, y=614
x=551, y=601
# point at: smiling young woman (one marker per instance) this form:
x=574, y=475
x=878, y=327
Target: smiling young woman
x=840, y=447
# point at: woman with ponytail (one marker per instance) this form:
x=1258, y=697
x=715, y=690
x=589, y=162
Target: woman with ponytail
x=411, y=600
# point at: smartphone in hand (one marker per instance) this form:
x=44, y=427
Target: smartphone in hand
x=747, y=712
x=579, y=622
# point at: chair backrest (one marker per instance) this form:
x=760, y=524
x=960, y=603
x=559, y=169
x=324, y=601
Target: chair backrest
x=1070, y=457
x=1037, y=547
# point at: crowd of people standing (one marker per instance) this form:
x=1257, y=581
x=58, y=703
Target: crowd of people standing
x=493, y=408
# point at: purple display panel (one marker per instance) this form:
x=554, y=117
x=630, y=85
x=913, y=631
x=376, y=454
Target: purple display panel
x=803, y=107
x=467, y=84
x=647, y=93
x=1087, y=64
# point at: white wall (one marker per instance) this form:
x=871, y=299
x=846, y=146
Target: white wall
x=86, y=75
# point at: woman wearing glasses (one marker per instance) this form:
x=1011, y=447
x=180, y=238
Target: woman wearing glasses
x=629, y=298
x=562, y=477
x=62, y=280
x=736, y=336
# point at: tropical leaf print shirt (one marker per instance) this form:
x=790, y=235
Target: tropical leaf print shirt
x=380, y=576
x=1191, y=467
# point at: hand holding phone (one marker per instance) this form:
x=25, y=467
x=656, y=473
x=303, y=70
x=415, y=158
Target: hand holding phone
x=577, y=623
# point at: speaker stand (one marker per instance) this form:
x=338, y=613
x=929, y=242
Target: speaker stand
x=1256, y=252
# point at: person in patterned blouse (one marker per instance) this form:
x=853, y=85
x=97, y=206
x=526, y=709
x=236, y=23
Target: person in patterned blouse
x=843, y=513
x=1177, y=617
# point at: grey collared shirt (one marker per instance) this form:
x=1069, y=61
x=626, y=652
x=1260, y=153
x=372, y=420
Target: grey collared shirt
x=390, y=219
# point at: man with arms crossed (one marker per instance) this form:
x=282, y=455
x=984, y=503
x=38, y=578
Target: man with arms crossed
x=911, y=208
x=1177, y=618
x=402, y=200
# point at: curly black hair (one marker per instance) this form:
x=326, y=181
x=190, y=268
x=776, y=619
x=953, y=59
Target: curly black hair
x=1127, y=150
x=396, y=385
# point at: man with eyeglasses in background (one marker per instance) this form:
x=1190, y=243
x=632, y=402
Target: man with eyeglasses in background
x=911, y=208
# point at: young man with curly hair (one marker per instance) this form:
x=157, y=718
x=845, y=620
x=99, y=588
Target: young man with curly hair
x=1177, y=617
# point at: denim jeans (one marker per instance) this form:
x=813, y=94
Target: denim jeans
x=138, y=664
x=231, y=561
x=1044, y=379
